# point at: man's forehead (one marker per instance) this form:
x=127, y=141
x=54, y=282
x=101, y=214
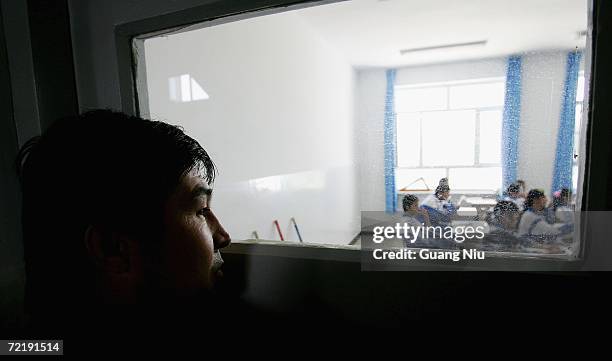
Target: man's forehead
x=193, y=184
x=198, y=171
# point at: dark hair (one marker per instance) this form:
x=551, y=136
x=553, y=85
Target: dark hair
x=532, y=196
x=514, y=188
x=101, y=168
x=562, y=199
x=504, y=208
x=441, y=189
x=408, y=201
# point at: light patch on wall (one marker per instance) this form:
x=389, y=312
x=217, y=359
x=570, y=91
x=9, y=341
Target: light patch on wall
x=184, y=88
x=269, y=184
x=292, y=182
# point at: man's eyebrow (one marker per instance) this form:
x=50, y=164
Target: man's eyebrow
x=200, y=191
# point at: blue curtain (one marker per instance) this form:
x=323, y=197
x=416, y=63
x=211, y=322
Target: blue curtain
x=511, y=121
x=389, y=135
x=562, y=174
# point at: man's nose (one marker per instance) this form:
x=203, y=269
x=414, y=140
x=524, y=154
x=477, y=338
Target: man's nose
x=221, y=238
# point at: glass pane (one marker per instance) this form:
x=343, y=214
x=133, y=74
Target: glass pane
x=448, y=138
x=409, y=178
x=578, y=117
x=574, y=178
x=577, y=121
x=300, y=119
x=477, y=95
x=408, y=140
x=576, y=146
x=475, y=178
x=420, y=99
x=490, y=136
x=580, y=89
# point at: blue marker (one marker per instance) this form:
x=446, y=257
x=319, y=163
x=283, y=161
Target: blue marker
x=297, y=230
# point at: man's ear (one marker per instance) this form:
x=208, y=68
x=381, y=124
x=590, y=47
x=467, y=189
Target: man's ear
x=111, y=252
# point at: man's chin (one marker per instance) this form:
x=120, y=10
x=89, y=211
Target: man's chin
x=218, y=275
x=216, y=279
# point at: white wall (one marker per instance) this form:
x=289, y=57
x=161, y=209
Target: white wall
x=542, y=85
x=543, y=80
x=279, y=123
x=370, y=113
x=486, y=68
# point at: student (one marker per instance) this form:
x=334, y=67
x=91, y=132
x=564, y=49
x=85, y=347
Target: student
x=561, y=208
x=514, y=195
x=438, y=205
x=533, y=225
x=414, y=215
x=522, y=188
x=503, y=224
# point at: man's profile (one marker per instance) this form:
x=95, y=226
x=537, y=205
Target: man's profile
x=117, y=218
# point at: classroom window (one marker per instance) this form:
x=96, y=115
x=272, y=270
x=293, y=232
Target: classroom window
x=297, y=123
x=454, y=128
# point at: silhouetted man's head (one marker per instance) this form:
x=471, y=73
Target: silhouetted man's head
x=117, y=209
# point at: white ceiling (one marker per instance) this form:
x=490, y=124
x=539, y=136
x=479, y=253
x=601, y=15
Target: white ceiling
x=371, y=32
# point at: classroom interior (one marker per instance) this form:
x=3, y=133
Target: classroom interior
x=316, y=115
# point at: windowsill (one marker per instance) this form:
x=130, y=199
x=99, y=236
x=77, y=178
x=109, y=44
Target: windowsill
x=495, y=261
x=292, y=249
x=453, y=191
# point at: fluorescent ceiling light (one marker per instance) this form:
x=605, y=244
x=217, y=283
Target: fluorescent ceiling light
x=443, y=46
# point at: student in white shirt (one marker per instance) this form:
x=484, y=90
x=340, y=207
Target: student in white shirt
x=561, y=207
x=514, y=195
x=413, y=214
x=522, y=188
x=418, y=217
x=438, y=204
x=533, y=225
x=503, y=225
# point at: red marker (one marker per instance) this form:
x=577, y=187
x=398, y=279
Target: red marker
x=278, y=229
